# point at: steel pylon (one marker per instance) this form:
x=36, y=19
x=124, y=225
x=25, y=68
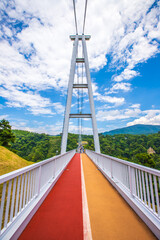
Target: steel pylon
x=71, y=85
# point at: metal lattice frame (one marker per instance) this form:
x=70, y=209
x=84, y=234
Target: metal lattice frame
x=71, y=85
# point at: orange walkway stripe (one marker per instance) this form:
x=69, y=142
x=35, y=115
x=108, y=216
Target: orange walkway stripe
x=111, y=217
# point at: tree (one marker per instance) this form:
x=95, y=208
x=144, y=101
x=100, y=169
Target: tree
x=6, y=134
x=145, y=159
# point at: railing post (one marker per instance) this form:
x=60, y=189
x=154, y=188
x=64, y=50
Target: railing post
x=111, y=169
x=39, y=180
x=130, y=180
x=54, y=165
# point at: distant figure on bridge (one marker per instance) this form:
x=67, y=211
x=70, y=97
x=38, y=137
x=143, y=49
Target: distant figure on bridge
x=80, y=149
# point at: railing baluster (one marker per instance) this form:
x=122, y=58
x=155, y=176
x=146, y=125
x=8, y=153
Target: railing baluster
x=137, y=183
x=7, y=205
x=28, y=182
x=17, y=196
x=2, y=204
x=131, y=180
x=134, y=180
x=13, y=198
x=140, y=184
x=157, y=197
x=148, y=195
x=39, y=180
x=152, y=194
x=144, y=189
x=35, y=182
x=21, y=194
x=25, y=185
x=30, y=193
x=32, y=184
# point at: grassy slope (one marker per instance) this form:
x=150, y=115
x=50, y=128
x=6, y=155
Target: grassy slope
x=9, y=161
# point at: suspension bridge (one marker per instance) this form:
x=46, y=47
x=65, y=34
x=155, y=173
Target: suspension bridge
x=78, y=195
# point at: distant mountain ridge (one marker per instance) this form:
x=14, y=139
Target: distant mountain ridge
x=135, y=130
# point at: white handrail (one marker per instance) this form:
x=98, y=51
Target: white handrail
x=19, y=189
x=139, y=185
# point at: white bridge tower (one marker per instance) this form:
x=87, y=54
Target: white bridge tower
x=76, y=38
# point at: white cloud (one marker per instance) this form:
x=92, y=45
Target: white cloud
x=126, y=87
x=117, y=101
x=142, y=51
x=139, y=42
x=113, y=100
x=127, y=74
x=34, y=102
x=151, y=117
x=111, y=115
x=59, y=107
x=38, y=127
x=135, y=105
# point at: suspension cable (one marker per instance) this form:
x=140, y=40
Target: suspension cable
x=82, y=96
x=84, y=16
x=75, y=17
x=78, y=104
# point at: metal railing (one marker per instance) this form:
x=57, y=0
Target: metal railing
x=20, y=188
x=141, y=184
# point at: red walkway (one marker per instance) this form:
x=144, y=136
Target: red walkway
x=60, y=215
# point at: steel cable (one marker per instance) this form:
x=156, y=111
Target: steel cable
x=78, y=104
x=75, y=17
x=84, y=16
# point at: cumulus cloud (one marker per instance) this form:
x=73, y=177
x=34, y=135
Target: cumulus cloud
x=110, y=115
x=33, y=102
x=127, y=74
x=58, y=107
x=126, y=87
x=113, y=100
x=151, y=117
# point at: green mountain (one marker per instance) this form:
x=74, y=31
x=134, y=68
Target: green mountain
x=135, y=129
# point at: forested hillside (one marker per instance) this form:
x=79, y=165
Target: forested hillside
x=35, y=147
x=133, y=148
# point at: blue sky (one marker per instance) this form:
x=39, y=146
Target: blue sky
x=35, y=54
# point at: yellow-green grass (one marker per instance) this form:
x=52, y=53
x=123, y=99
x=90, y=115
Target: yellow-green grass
x=10, y=161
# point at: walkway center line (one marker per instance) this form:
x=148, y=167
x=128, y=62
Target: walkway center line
x=87, y=234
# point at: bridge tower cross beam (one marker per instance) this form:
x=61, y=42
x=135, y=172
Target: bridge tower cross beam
x=71, y=85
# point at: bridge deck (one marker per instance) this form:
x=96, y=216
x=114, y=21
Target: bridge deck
x=60, y=215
